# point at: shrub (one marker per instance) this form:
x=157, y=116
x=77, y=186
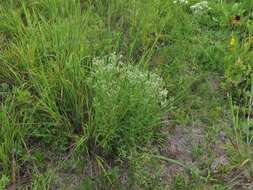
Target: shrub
x=128, y=103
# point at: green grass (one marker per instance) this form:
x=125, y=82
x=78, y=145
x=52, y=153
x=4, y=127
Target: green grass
x=91, y=90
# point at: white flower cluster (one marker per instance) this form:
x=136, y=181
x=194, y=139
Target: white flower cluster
x=102, y=77
x=184, y=2
x=150, y=82
x=200, y=7
x=111, y=74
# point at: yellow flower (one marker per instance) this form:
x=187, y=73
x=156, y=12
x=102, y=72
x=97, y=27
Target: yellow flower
x=232, y=41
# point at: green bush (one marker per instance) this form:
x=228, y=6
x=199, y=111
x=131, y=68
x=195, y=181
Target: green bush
x=128, y=104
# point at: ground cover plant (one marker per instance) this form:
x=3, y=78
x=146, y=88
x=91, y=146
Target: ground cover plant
x=125, y=94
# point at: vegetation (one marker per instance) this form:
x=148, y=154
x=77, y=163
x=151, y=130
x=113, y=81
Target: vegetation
x=124, y=94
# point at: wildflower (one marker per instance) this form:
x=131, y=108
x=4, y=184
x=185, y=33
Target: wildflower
x=236, y=20
x=184, y=2
x=107, y=74
x=200, y=7
x=232, y=41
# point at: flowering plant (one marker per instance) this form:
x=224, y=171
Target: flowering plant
x=128, y=104
x=200, y=7
x=184, y=2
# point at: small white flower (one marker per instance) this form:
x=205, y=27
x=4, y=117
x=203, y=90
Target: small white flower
x=200, y=7
x=164, y=92
x=183, y=2
x=107, y=74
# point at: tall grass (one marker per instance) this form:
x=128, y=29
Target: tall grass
x=46, y=63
